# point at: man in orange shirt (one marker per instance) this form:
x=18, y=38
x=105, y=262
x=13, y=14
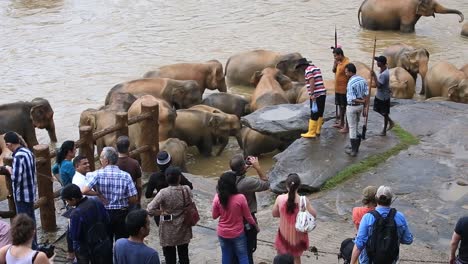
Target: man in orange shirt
x=341, y=81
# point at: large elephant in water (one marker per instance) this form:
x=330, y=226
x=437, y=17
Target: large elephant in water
x=413, y=60
x=444, y=79
x=23, y=117
x=228, y=103
x=399, y=14
x=208, y=75
x=270, y=86
x=256, y=143
x=240, y=67
x=180, y=94
x=402, y=83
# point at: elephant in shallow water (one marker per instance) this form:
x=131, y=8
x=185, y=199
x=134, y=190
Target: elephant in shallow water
x=298, y=93
x=24, y=117
x=228, y=103
x=402, y=83
x=240, y=67
x=208, y=75
x=256, y=143
x=399, y=14
x=270, y=86
x=444, y=79
x=178, y=151
x=414, y=60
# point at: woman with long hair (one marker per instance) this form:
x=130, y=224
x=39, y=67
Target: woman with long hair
x=369, y=203
x=170, y=203
x=63, y=162
x=23, y=231
x=231, y=208
x=288, y=240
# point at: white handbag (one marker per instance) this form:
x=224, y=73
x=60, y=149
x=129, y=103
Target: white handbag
x=305, y=222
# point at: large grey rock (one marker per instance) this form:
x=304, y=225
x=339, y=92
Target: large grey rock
x=285, y=121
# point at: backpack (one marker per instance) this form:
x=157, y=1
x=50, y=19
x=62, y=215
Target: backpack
x=346, y=250
x=383, y=245
x=99, y=243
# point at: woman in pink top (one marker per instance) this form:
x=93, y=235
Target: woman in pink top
x=231, y=208
x=288, y=240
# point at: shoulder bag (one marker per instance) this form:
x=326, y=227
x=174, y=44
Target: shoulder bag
x=305, y=222
x=191, y=216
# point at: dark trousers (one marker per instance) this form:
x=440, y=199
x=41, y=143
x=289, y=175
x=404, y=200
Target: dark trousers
x=251, y=235
x=27, y=208
x=320, y=101
x=117, y=227
x=82, y=258
x=170, y=254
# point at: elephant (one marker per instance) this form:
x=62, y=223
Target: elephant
x=208, y=75
x=402, y=83
x=199, y=128
x=464, y=31
x=233, y=120
x=240, y=67
x=256, y=143
x=228, y=103
x=270, y=86
x=180, y=94
x=464, y=69
x=413, y=60
x=167, y=117
x=99, y=119
x=178, y=151
x=444, y=79
x=399, y=15
x=23, y=117
x=297, y=94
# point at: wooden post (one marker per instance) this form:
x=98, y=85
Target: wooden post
x=121, y=119
x=87, y=145
x=11, y=200
x=150, y=127
x=45, y=188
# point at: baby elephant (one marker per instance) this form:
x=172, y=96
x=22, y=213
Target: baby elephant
x=445, y=80
x=402, y=83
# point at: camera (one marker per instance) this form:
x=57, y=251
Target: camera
x=247, y=161
x=47, y=248
x=167, y=217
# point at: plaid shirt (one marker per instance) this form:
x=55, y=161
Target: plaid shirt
x=24, y=175
x=114, y=184
x=357, y=89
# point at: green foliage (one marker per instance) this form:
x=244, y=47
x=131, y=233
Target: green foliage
x=406, y=140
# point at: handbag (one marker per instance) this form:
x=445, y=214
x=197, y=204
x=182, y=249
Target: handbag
x=305, y=222
x=191, y=216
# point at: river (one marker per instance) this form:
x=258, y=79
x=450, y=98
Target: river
x=73, y=52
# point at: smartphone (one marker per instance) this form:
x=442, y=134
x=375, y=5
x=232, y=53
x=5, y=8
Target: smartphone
x=167, y=217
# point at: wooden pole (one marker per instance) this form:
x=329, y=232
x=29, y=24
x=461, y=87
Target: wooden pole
x=11, y=200
x=45, y=188
x=367, y=104
x=87, y=145
x=150, y=126
x=121, y=119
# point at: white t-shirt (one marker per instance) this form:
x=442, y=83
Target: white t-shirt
x=80, y=180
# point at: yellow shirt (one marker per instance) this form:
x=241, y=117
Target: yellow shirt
x=341, y=80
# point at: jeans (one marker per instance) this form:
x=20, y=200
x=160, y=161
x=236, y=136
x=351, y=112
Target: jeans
x=234, y=246
x=170, y=254
x=353, y=112
x=27, y=208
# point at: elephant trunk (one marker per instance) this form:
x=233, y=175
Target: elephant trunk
x=422, y=72
x=51, y=131
x=442, y=10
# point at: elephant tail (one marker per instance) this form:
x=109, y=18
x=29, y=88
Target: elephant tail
x=226, y=67
x=359, y=13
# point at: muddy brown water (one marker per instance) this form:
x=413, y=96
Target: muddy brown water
x=73, y=52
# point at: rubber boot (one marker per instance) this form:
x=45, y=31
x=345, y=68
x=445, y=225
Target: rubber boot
x=354, y=146
x=358, y=143
x=319, y=126
x=312, y=129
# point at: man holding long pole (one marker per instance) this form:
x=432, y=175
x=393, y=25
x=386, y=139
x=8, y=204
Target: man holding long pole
x=356, y=96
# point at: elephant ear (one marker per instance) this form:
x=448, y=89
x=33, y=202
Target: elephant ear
x=256, y=78
x=283, y=66
x=177, y=94
x=41, y=115
x=216, y=74
x=284, y=81
x=452, y=93
x=424, y=8
x=215, y=121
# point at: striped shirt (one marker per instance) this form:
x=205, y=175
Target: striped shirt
x=24, y=175
x=114, y=184
x=313, y=71
x=357, y=89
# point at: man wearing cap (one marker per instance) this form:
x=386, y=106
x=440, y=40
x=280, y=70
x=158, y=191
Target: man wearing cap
x=356, y=99
x=23, y=177
x=382, y=97
x=341, y=81
x=368, y=202
x=317, y=94
x=158, y=181
x=384, y=197
x=117, y=190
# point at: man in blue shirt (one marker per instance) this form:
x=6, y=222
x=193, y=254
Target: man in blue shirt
x=384, y=197
x=133, y=249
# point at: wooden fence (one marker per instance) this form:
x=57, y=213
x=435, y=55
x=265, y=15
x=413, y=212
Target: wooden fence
x=147, y=153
